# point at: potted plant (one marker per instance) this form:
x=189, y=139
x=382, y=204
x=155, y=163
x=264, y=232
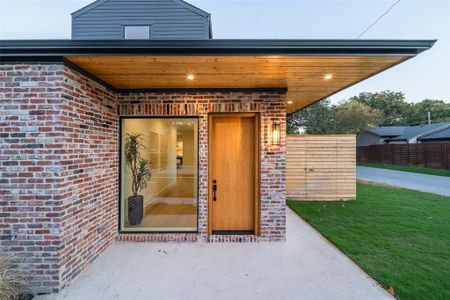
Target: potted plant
x=140, y=176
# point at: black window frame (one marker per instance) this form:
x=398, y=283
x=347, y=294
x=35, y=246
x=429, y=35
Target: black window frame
x=122, y=231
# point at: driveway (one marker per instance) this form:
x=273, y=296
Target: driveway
x=415, y=181
x=306, y=266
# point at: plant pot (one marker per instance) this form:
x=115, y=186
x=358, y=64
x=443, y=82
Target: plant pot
x=135, y=209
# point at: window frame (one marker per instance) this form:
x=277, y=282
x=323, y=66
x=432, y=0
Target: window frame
x=123, y=230
x=124, y=26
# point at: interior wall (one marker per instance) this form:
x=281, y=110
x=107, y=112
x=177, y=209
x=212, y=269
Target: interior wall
x=189, y=155
x=162, y=178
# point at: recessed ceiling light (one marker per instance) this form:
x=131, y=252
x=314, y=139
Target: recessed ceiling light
x=190, y=77
x=289, y=102
x=328, y=76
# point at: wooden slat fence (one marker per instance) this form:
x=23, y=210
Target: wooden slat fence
x=321, y=167
x=428, y=155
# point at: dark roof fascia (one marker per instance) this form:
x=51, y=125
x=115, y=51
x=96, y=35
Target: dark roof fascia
x=373, y=131
x=51, y=48
x=434, y=138
x=429, y=135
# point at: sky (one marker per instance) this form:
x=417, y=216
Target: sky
x=425, y=76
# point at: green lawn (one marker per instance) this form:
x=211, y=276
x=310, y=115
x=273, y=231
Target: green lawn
x=399, y=237
x=438, y=172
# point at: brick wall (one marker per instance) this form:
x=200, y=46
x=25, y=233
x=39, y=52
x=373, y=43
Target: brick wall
x=30, y=169
x=271, y=106
x=89, y=170
x=58, y=171
x=59, y=166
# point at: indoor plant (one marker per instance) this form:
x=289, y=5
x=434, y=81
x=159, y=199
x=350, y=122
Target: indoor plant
x=140, y=176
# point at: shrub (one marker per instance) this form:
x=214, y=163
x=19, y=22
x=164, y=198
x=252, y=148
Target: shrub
x=13, y=286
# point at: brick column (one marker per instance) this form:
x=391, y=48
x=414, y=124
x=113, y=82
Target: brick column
x=58, y=171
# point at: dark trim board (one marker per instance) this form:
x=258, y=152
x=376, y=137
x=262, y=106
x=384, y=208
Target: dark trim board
x=86, y=73
x=280, y=90
x=49, y=48
x=233, y=232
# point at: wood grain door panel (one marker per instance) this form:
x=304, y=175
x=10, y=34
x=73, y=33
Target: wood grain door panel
x=233, y=166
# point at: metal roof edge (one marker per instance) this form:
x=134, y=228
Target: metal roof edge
x=432, y=131
x=20, y=48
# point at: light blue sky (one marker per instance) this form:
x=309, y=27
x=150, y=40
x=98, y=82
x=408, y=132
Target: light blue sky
x=426, y=76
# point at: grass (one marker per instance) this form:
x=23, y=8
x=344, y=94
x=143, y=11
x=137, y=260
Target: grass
x=400, y=237
x=429, y=171
x=12, y=285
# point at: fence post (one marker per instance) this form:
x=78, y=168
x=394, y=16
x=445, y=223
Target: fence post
x=446, y=156
x=393, y=153
x=380, y=153
x=425, y=154
x=407, y=155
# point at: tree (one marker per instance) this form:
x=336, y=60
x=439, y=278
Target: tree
x=391, y=104
x=354, y=116
x=418, y=112
x=315, y=119
x=385, y=108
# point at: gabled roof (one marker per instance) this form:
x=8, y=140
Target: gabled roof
x=388, y=131
x=439, y=134
x=410, y=132
x=93, y=5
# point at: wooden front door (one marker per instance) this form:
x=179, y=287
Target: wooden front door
x=233, y=174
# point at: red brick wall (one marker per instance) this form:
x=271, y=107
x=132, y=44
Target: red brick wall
x=59, y=166
x=89, y=163
x=30, y=169
x=270, y=106
x=58, y=170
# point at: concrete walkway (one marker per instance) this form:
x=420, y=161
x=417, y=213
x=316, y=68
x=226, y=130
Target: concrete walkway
x=306, y=266
x=415, y=181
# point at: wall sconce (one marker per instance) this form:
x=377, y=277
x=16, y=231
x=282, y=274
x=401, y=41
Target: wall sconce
x=275, y=133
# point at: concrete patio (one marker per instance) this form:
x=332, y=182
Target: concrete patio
x=306, y=266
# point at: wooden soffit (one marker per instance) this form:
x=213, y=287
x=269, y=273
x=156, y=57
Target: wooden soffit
x=302, y=76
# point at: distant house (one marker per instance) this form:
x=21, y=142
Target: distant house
x=378, y=135
x=404, y=134
x=438, y=136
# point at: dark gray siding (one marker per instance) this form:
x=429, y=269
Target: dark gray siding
x=366, y=138
x=168, y=19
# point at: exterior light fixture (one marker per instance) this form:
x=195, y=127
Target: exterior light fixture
x=190, y=77
x=275, y=133
x=328, y=76
x=289, y=102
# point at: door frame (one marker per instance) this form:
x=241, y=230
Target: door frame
x=257, y=183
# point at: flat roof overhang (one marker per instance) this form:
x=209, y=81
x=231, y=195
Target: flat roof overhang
x=298, y=66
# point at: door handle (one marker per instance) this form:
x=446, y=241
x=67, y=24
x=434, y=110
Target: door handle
x=214, y=189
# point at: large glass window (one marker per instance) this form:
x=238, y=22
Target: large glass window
x=159, y=174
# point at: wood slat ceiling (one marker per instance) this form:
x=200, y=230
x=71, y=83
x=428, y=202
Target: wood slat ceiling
x=303, y=76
